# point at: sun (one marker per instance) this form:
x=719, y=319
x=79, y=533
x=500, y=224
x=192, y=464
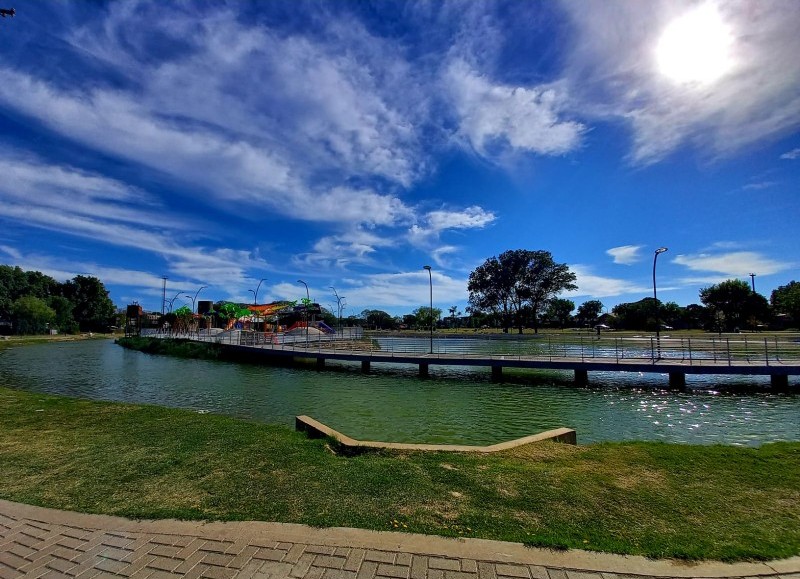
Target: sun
x=695, y=48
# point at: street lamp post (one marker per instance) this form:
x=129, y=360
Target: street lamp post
x=430, y=285
x=197, y=293
x=658, y=252
x=338, y=307
x=753, y=280
x=172, y=301
x=255, y=293
x=308, y=301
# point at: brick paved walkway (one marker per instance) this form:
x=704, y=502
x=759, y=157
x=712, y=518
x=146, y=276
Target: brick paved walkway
x=36, y=542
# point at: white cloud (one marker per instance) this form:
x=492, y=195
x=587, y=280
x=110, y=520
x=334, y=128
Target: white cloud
x=759, y=186
x=626, y=254
x=791, y=155
x=613, y=71
x=409, y=289
x=493, y=116
x=595, y=286
x=732, y=264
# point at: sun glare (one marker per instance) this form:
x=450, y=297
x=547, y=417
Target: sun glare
x=695, y=48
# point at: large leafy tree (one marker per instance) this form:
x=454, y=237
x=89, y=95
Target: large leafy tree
x=786, y=300
x=31, y=315
x=559, y=310
x=734, y=303
x=92, y=308
x=517, y=278
x=425, y=317
x=589, y=311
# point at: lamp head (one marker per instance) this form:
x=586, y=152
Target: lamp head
x=426, y=267
x=661, y=250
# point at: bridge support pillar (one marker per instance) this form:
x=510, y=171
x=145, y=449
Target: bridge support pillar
x=423, y=370
x=320, y=363
x=677, y=380
x=581, y=377
x=779, y=382
x=497, y=373
x=365, y=366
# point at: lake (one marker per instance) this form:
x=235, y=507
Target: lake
x=455, y=405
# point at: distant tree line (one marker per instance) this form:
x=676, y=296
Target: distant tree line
x=34, y=303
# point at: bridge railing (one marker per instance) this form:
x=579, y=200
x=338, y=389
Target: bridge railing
x=687, y=350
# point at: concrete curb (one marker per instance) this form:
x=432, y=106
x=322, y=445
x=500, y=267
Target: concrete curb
x=480, y=550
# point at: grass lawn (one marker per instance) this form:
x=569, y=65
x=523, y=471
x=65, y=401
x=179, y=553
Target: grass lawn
x=658, y=500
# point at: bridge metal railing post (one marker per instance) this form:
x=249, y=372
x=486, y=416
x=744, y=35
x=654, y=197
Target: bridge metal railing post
x=652, y=350
x=766, y=352
x=616, y=349
x=728, y=346
x=689, y=342
x=550, y=347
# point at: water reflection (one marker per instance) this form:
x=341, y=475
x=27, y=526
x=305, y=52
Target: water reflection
x=457, y=405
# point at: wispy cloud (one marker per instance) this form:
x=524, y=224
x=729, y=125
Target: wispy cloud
x=596, y=286
x=494, y=117
x=732, y=264
x=759, y=186
x=626, y=254
x=791, y=155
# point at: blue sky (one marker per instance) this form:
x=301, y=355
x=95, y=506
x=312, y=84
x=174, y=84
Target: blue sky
x=348, y=144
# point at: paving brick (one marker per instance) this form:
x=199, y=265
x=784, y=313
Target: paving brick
x=329, y=562
x=244, y=557
x=293, y=555
x=399, y=571
x=342, y=552
x=218, y=573
x=460, y=575
x=556, y=573
x=163, y=564
x=486, y=570
x=161, y=550
x=403, y=559
x=215, y=546
x=338, y=574
x=583, y=575
x=513, y=571
x=319, y=549
x=8, y=573
x=270, y=554
x=303, y=565
x=419, y=567
x=538, y=572
x=444, y=564
x=380, y=557
x=315, y=573
x=190, y=562
x=116, y=541
x=354, y=559
x=11, y=560
x=284, y=546
x=217, y=559
x=469, y=566
x=158, y=574
x=367, y=571
x=435, y=574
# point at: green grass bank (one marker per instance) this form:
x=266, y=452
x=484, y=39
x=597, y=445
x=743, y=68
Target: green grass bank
x=652, y=499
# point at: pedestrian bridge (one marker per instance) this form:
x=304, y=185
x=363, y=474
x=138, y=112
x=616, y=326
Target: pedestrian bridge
x=778, y=358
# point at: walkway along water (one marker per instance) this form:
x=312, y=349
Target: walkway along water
x=677, y=357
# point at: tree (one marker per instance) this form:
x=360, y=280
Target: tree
x=636, y=315
x=63, y=320
x=377, y=319
x=423, y=317
x=93, y=309
x=517, y=278
x=31, y=315
x=732, y=299
x=786, y=300
x=588, y=312
x=559, y=311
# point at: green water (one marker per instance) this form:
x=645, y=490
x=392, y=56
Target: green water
x=456, y=405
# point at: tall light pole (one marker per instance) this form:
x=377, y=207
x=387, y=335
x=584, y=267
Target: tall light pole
x=658, y=252
x=430, y=285
x=753, y=280
x=163, y=294
x=172, y=301
x=338, y=306
x=255, y=293
x=308, y=302
x=194, y=299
